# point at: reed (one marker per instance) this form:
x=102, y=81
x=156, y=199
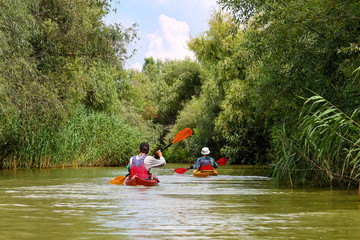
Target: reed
x=93, y=138
x=87, y=138
x=326, y=148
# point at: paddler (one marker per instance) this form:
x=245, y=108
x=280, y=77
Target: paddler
x=141, y=164
x=205, y=162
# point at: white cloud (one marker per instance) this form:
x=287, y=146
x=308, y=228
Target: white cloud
x=170, y=42
x=136, y=66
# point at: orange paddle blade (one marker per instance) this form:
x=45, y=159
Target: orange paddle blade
x=222, y=161
x=182, y=135
x=118, y=180
x=181, y=170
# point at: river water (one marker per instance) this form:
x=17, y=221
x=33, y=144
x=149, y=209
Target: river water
x=240, y=203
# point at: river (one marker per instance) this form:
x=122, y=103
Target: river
x=78, y=203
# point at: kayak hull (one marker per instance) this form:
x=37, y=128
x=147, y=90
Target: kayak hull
x=140, y=181
x=205, y=173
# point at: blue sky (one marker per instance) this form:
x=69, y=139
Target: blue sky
x=164, y=26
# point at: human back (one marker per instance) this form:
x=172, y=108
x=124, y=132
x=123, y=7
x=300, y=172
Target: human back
x=141, y=164
x=205, y=162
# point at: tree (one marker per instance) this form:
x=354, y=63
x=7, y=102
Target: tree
x=56, y=58
x=222, y=58
x=293, y=48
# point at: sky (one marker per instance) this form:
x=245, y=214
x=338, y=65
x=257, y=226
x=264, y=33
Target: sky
x=164, y=26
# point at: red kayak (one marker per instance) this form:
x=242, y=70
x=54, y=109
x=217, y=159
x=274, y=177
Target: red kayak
x=140, y=181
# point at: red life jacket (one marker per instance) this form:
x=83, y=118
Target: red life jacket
x=205, y=164
x=138, y=168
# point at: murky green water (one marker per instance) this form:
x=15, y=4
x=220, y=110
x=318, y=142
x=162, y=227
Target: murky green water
x=237, y=204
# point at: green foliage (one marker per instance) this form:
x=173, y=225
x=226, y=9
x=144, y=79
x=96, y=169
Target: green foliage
x=66, y=99
x=162, y=89
x=245, y=136
x=137, y=91
x=295, y=46
x=100, y=87
x=27, y=103
x=243, y=10
x=198, y=116
x=176, y=84
x=92, y=138
x=327, y=150
x=291, y=47
x=87, y=138
x=221, y=51
x=56, y=59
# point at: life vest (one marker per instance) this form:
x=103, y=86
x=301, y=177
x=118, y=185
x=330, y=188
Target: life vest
x=138, y=168
x=205, y=164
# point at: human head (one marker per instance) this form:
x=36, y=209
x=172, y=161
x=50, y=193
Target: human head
x=205, y=151
x=144, y=147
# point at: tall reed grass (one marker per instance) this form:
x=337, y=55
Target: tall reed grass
x=88, y=138
x=325, y=150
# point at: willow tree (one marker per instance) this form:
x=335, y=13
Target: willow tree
x=221, y=57
x=58, y=60
x=297, y=47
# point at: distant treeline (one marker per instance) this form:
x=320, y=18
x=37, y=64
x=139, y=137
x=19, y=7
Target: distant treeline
x=274, y=82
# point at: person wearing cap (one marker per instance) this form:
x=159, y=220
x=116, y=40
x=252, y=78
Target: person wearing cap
x=205, y=162
x=141, y=164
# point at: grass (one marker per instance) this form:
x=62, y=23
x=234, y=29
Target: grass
x=325, y=150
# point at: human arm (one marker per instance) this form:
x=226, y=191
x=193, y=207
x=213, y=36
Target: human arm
x=214, y=164
x=129, y=165
x=198, y=164
x=151, y=162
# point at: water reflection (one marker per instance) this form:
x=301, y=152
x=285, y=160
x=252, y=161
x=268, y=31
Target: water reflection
x=79, y=204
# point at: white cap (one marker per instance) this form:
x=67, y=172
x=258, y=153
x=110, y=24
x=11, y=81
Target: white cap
x=205, y=151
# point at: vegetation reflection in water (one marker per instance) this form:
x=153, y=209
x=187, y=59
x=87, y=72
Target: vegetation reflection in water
x=237, y=204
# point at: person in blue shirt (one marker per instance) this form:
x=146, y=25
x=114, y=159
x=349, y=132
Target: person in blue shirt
x=205, y=162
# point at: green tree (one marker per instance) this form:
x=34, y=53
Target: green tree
x=179, y=82
x=221, y=52
x=161, y=90
x=57, y=57
x=294, y=47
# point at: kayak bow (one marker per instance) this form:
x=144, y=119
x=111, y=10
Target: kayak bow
x=205, y=173
x=140, y=181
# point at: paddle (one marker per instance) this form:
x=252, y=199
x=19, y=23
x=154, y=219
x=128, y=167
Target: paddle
x=180, y=136
x=221, y=162
x=118, y=180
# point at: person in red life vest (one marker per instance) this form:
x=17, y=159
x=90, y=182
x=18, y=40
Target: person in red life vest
x=205, y=162
x=141, y=164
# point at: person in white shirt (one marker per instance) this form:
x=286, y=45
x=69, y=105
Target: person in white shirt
x=141, y=164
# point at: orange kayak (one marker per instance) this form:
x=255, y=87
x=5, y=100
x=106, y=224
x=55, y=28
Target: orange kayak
x=205, y=173
x=140, y=181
